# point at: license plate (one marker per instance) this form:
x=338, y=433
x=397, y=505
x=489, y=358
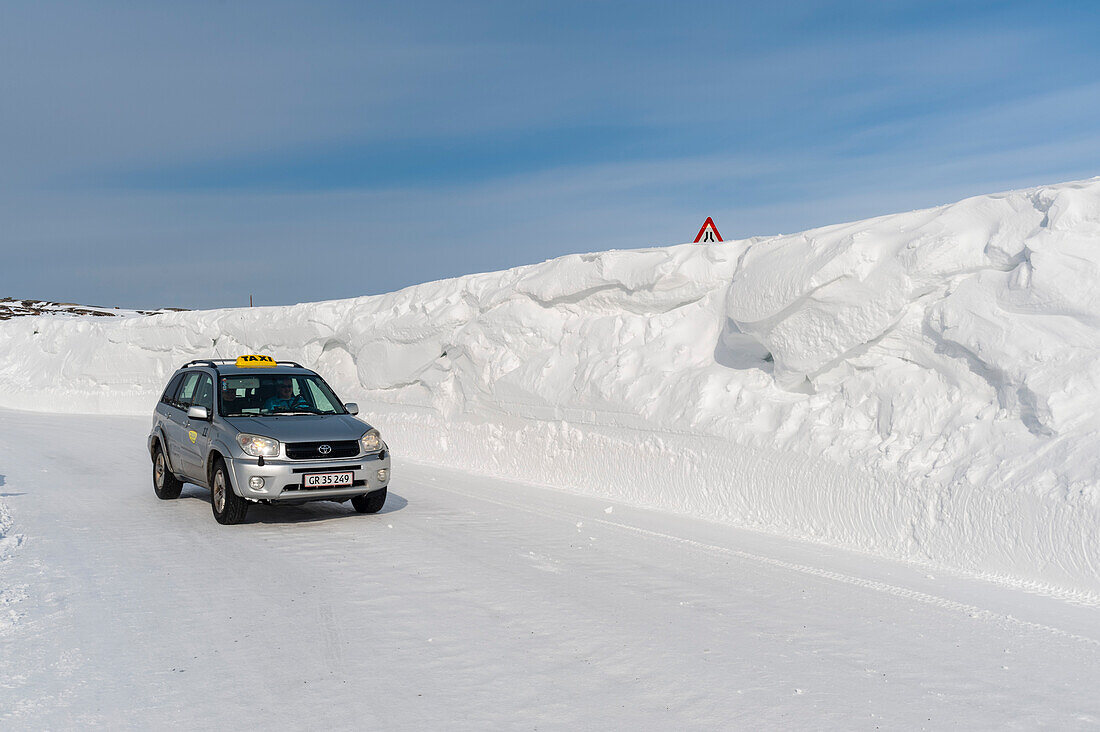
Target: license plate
x=328, y=480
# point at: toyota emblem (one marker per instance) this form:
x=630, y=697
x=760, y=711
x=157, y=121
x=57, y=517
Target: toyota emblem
x=324, y=449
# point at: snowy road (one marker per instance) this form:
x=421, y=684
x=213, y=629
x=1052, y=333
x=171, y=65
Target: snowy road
x=472, y=603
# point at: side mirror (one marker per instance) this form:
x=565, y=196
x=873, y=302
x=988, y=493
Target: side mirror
x=197, y=413
x=352, y=408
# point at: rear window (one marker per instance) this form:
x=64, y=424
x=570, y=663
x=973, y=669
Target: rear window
x=170, y=391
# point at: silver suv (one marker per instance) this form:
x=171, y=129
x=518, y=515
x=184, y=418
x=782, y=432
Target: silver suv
x=259, y=431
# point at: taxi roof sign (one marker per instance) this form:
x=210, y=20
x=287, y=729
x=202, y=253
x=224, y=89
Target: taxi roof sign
x=255, y=362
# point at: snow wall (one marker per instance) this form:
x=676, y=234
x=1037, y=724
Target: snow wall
x=922, y=386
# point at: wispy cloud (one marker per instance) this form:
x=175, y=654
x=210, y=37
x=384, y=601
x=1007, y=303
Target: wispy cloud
x=424, y=140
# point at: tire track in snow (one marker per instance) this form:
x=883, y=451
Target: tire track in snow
x=972, y=611
x=10, y=595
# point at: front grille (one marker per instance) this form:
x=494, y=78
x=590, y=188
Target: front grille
x=312, y=450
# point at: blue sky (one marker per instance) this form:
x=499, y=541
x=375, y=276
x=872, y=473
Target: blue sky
x=192, y=154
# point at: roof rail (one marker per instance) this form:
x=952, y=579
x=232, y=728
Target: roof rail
x=212, y=362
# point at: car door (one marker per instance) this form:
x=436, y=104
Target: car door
x=164, y=418
x=175, y=426
x=197, y=431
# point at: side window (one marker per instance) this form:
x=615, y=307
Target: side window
x=171, y=389
x=204, y=395
x=187, y=390
x=318, y=397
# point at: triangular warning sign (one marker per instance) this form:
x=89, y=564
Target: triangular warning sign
x=708, y=233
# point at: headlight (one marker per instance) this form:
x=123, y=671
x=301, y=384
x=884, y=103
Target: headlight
x=372, y=441
x=257, y=446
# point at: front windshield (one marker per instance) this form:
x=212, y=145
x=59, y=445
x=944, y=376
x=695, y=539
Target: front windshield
x=269, y=394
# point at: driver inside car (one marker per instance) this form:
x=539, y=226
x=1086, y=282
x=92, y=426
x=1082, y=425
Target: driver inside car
x=285, y=399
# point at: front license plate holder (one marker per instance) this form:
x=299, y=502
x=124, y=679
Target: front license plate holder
x=315, y=481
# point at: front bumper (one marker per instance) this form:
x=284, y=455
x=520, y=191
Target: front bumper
x=283, y=478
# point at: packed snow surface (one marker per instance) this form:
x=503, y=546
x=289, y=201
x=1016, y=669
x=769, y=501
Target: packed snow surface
x=475, y=603
x=921, y=386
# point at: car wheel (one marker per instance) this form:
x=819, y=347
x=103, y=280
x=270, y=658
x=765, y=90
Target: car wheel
x=370, y=503
x=229, y=508
x=165, y=485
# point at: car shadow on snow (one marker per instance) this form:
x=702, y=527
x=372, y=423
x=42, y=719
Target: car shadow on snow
x=303, y=513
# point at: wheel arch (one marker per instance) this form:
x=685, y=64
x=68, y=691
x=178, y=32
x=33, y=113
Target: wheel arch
x=212, y=458
x=156, y=440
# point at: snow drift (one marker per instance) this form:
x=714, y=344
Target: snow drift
x=922, y=386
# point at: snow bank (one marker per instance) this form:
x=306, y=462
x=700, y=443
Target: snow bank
x=921, y=386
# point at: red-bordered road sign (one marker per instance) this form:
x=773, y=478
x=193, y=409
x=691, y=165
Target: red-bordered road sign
x=708, y=233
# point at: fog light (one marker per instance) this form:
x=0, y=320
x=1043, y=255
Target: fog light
x=255, y=482
x=383, y=475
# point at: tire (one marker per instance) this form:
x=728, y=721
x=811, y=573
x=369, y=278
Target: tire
x=165, y=485
x=370, y=503
x=229, y=508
